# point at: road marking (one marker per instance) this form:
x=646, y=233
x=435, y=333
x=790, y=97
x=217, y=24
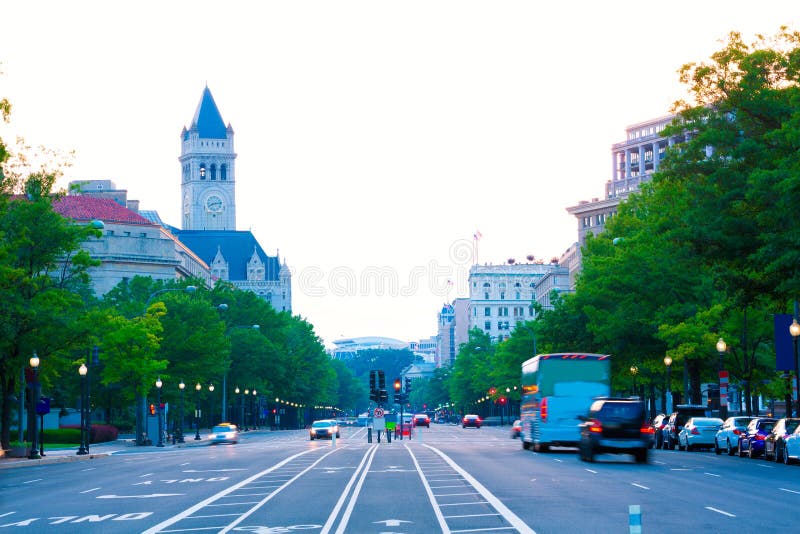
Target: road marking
x=719, y=511
x=34, y=480
x=151, y=496
x=639, y=485
x=90, y=490
x=145, y=475
x=712, y=474
x=464, y=504
x=557, y=460
x=680, y=469
x=790, y=491
x=592, y=471
x=767, y=466
x=211, y=470
x=90, y=469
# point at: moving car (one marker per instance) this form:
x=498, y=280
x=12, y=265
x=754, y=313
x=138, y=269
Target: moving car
x=225, y=433
x=751, y=441
x=727, y=438
x=516, y=429
x=616, y=426
x=422, y=419
x=775, y=441
x=324, y=428
x=471, y=420
x=699, y=432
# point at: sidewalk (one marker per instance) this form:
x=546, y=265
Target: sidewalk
x=96, y=450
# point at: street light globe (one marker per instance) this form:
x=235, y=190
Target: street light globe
x=254, y=392
x=722, y=346
x=82, y=370
x=198, y=387
x=34, y=361
x=236, y=390
x=159, y=383
x=667, y=361
x=211, y=387
x=181, y=385
x=634, y=369
x=794, y=328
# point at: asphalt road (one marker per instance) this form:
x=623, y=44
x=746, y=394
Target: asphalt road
x=445, y=479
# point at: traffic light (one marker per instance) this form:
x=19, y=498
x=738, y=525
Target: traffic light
x=408, y=384
x=382, y=395
x=397, y=385
x=381, y=381
x=502, y=400
x=372, y=381
x=152, y=409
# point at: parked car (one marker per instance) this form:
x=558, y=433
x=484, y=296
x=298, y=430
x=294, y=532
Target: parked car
x=516, y=429
x=471, y=420
x=676, y=421
x=751, y=441
x=699, y=432
x=615, y=426
x=225, y=433
x=659, y=422
x=791, y=450
x=775, y=441
x=727, y=438
x=422, y=419
x=324, y=428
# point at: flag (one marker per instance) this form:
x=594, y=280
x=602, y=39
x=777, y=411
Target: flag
x=477, y=235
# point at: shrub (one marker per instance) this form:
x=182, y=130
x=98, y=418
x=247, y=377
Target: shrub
x=98, y=434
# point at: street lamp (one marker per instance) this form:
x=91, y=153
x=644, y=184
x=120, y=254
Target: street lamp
x=255, y=414
x=634, y=372
x=794, y=330
x=668, y=363
x=34, y=361
x=722, y=347
x=160, y=443
x=82, y=370
x=197, y=389
x=244, y=414
x=181, y=386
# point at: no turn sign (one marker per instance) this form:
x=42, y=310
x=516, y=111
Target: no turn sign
x=379, y=412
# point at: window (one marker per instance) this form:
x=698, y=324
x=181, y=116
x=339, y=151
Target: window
x=202, y=171
x=223, y=172
x=518, y=295
x=502, y=295
x=487, y=325
x=487, y=311
x=502, y=311
x=486, y=296
x=213, y=171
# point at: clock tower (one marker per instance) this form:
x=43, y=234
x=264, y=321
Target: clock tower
x=208, y=182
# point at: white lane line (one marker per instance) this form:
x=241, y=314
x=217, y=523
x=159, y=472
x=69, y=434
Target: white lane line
x=456, y=494
x=465, y=504
x=431, y=497
x=189, y=511
x=557, y=460
x=592, y=471
x=767, y=466
x=719, y=511
x=32, y=481
x=366, y=462
x=496, y=503
x=90, y=490
x=790, y=491
x=639, y=485
x=712, y=474
x=470, y=515
x=90, y=469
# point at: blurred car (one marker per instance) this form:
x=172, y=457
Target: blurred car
x=751, y=441
x=516, y=429
x=471, y=420
x=324, y=428
x=699, y=432
x=406, y=428
x=727, y=438
x=615, y=426
x=659, y=422
x=676, y=421
x=775, y=441
x=225, y=433
x=791, y=449
x=422, y=419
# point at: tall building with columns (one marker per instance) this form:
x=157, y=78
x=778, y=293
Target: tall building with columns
x=633, y=162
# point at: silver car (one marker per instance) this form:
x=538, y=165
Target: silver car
x=727, y=438
x=791, y=452
x=698, y=432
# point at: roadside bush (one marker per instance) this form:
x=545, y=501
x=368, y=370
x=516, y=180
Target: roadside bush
x=98, y=434
x=61, y=435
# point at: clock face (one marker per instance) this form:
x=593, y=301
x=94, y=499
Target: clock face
x=214, y=203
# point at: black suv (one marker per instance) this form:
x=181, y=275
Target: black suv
x=616, y=426
x=678, y=418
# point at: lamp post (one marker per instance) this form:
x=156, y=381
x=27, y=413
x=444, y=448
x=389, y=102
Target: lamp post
x=181, y=386
x=722, y=347
x=244, y=413
x=794, y=330
x=82, y=370
x=34, y=453
x=160, y=443
x=255, y=414
x=197, y=389
x=634, y=372
x=210, y=405
x=668, y=392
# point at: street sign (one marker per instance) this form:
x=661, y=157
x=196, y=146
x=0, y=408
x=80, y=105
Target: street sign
x=43, y=406
x=378, y=412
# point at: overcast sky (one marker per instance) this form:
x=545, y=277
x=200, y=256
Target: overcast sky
x=373, y=138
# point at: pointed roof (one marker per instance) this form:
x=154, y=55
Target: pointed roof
x=207, y=119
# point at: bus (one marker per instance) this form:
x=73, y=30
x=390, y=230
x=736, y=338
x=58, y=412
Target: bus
x=556, y=389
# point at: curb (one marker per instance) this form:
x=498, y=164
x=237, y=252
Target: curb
x=10, y=463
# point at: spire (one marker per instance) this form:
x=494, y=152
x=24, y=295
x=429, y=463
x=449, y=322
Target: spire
x=207, y=119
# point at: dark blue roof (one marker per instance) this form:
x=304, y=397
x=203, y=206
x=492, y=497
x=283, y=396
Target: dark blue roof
x=237, y=249
x=207, y=119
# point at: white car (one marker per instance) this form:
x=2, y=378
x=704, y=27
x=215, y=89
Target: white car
x=698, y=432
x=791, y=452
x=727, y=438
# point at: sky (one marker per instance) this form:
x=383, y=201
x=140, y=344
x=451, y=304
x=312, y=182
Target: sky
x=374, y=138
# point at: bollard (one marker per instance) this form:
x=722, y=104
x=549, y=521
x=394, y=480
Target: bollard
x=369, y=434
x=635, y=519
x=333, y=440
x=388, y=437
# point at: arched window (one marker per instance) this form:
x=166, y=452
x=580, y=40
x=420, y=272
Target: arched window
x=213, y=171
x=202, y=171
x=223, y=172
